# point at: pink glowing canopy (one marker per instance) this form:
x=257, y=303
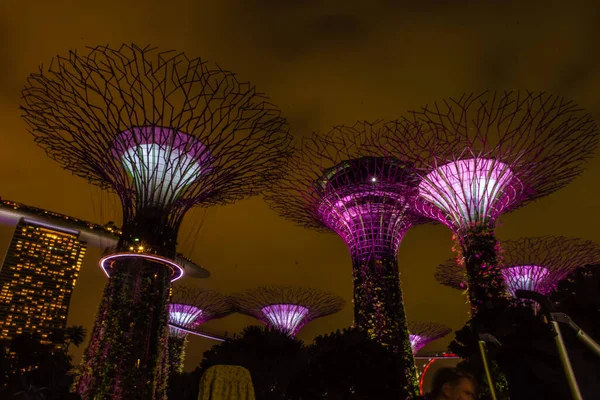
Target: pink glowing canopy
x=288, y=318
x=184, y=315
x=527, y=277
x=417, y=342
x=368, y=220
x=161, y=161
x=469, y=190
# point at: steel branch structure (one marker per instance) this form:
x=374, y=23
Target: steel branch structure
x=501, y=151
x=534, y=263
x=166, y=133
x=333, y=183
x=423, y=333
x=189, y=308
x=286, y=308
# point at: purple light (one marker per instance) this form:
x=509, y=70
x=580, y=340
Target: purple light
x=107, y=261
x=196, y=333
x=367, y=220
x=417, y=342
x=467, y=191
x=288, y=318
x=185, y=316
x=527, y=277
x=161, y=161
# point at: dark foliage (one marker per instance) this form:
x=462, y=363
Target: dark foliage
x=579, y=296
x=274, y=359
x=527, y=355
x=349, y=365
x=184, y=386
x=32, y=370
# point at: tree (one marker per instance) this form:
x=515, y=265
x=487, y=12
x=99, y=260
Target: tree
x=350, y=365
x=273, y=358
x=31, y=369
x=75, y=335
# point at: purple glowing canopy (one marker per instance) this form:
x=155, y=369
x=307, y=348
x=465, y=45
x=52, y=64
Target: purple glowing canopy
x=423, y=333
x=191, y=307
x=534, y=263
x=467, y=191
x=481, y=155
x=161, y=161
x=288, y=318
x=184, y=315
x=368, y=202
x=286, y=308
x=527, y=277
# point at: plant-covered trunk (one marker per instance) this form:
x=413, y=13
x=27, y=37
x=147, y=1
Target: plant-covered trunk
x=379, y=309
x=479, y=252
x=122, y=360
x=176, y=353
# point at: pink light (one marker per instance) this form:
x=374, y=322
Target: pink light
x=184, y=315
x=176, y=270
x=467, y=191
x=417, y=342
x=288, y=318
x=527, y=277
x=196, y=333
x=367, y=220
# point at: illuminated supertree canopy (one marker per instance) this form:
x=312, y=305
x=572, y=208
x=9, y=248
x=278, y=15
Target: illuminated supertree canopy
x=332, y=183
x=165, y=133
x=286, y=308
x=533, y=263
x=423, y=333
x=499, y=151
x=188, y=308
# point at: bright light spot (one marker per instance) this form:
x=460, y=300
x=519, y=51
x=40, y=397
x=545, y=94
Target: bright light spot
x=373, y=179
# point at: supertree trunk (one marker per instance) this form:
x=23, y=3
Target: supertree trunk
x=123, y=359
x=480, y=253
x=379, y=309
x=176, y=354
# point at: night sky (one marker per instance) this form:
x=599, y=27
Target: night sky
x=323, y=63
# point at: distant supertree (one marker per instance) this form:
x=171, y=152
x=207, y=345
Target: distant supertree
x=534, y=263
x=286, y=308
x=501, y=150
x=165, y=133
x=334, y=184
x=423, y=333
x=188, y=308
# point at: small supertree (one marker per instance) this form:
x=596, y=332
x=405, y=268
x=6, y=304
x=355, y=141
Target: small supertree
x=501, y=150
x=534, y=263
x=423, y=333
x=188, y=308
x=165, y=133
x=334, y=184
x=286, y=308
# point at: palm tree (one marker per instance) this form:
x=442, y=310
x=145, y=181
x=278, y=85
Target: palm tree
x=74, y=334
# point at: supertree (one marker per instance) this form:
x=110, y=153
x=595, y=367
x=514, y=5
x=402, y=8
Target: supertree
x=533, y=263
x=165, y=133
x=286, y=308
x=334, y=184
x=423, y=333
x=189, y=308
x=501, y=150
